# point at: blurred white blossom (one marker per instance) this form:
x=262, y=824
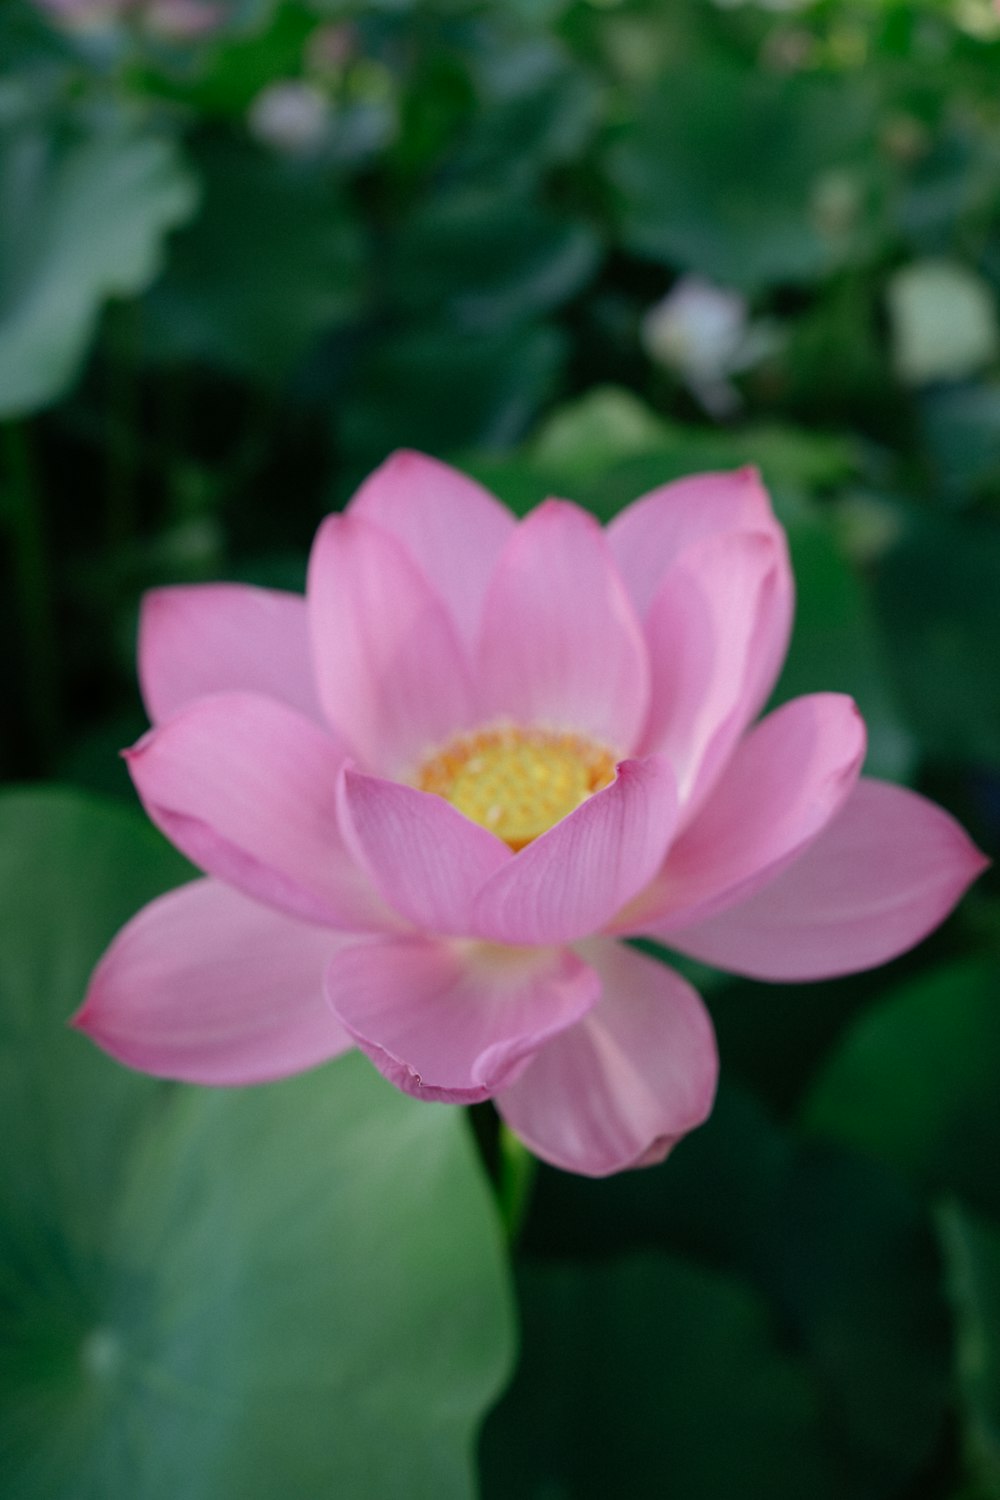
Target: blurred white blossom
x=943, y=321
x=703, y=334
x=290, y=115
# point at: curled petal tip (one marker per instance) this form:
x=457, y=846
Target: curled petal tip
x=142, y=744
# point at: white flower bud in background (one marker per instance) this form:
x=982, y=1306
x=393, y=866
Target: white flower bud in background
x=289, y=115
x=702, y=333
x=697, y=328
x=942, y=321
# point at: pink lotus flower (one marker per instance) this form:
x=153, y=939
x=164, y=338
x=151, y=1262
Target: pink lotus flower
x=433, y=796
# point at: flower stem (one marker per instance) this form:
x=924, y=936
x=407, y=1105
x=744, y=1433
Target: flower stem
x=517, y=1168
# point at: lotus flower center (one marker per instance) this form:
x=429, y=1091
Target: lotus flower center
x=517, y=782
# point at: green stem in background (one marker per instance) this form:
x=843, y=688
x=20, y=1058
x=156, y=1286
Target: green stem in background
x=516, y=1176
x=122, y=427
x=33, y=586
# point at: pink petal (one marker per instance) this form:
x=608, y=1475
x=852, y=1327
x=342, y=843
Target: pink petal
x=787, y=779
x=453, y=529
x=222, y=637
x=715, y=630
x=206, y=986
x=571, y=881
x=248, y=790
x=427, y=859
x=621, y=1088
x=648, y=535
x=561, y=647
x=391, y=671
x=455, y=1021
x=884, y=873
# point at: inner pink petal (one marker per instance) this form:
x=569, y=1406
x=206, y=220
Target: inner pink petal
x=452, y=527
x=392, y=672
x=561, y=647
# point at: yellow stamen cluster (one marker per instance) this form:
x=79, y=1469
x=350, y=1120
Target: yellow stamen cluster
x=517, y=782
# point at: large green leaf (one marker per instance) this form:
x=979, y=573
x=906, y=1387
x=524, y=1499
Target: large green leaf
x=745, y=177
x=272, y=263
x=938, y=594
x=71, y=872
x=538, y=107
x=914, y=1083
x=81, y=220
x=292, y=1290
x=972, y=1252
x=488, y=259
x=832, y=1246
x=647, y=1376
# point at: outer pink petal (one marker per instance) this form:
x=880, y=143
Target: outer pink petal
x=222, y=637
x=654, y=530
x=455, y=1021
x=206, y=986
x=452, y=528
x=248, y=790
x=571, y=881
x=561, y=646
x=877, y=880
x=428, y=861
x=788, y=778
x=392, y=673
x=711, y=629
x=621, y=1088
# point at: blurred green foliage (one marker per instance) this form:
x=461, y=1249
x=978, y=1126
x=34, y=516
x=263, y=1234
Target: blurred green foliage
x=217, y=1293
x=239, y=263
